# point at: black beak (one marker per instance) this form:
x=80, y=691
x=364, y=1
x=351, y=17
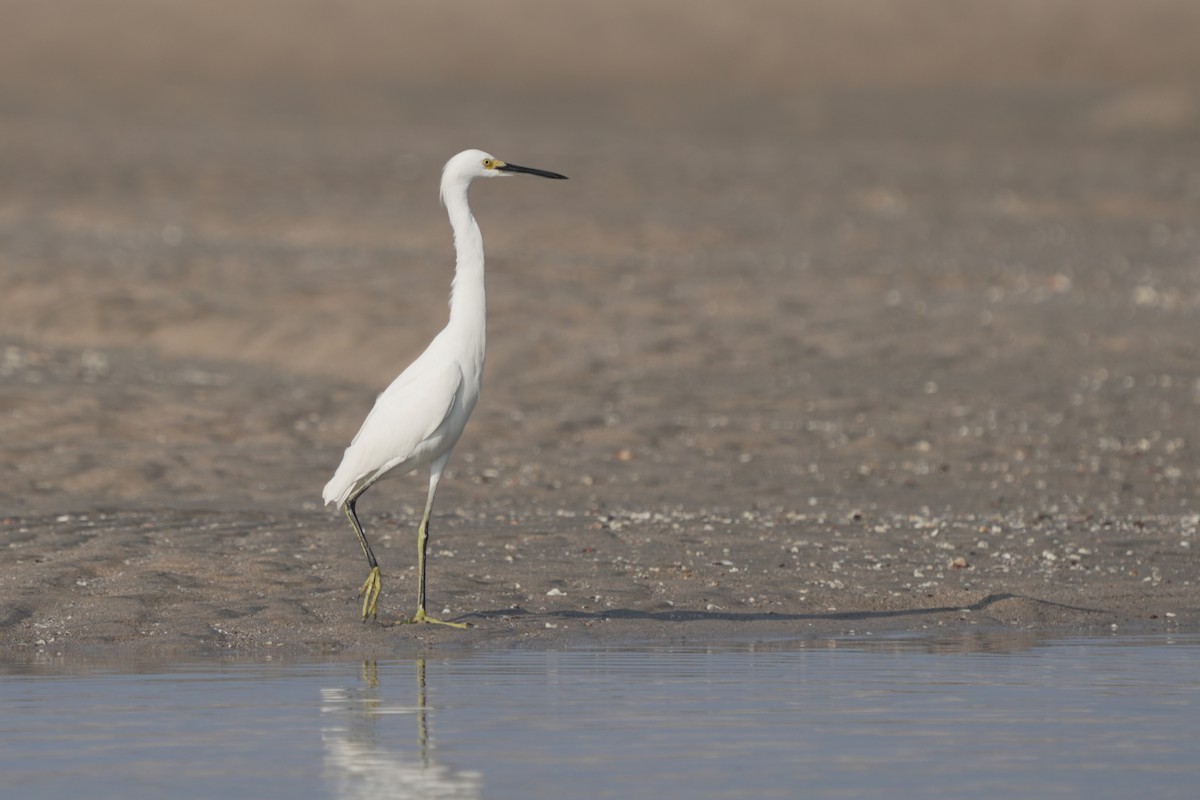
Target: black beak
x=531, y=171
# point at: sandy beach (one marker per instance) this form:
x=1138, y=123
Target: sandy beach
x=846, y=320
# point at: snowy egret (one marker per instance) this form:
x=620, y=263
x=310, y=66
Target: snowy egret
x=417, y=420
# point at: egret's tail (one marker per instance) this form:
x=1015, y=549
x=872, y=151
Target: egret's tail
x=337, y=490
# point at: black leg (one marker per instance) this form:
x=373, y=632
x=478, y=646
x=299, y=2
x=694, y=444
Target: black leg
x=362, y=537
x=374, y=584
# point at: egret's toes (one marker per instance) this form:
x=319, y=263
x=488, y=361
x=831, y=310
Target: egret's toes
x=370, y=594
x=421, y=618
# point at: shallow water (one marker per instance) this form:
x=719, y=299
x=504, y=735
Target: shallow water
x=964, y=717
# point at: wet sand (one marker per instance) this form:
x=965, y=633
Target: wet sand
x=810, y=343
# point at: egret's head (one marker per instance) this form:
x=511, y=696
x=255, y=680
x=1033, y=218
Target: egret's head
x=471, y=164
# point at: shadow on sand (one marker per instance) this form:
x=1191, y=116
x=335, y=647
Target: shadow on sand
x=684, y=615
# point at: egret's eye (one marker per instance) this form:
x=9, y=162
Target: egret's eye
x=489, y=163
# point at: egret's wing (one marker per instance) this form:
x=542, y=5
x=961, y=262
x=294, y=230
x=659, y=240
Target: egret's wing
x=400, y=428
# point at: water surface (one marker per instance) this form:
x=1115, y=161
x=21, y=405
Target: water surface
x=964, y=717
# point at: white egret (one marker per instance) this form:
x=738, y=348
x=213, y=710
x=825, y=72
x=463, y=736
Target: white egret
x=417, y=420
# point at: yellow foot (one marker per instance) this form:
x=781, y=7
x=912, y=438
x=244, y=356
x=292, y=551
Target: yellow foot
x=422, y=618
x=370, y=594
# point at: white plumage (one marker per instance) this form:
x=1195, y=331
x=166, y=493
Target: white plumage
x=418, y=419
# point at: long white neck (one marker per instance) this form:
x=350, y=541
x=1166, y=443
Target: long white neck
x=468, y=303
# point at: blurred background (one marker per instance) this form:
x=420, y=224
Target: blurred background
x=812, y=254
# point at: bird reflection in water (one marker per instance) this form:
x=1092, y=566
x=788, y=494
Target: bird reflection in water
x=365, y=758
